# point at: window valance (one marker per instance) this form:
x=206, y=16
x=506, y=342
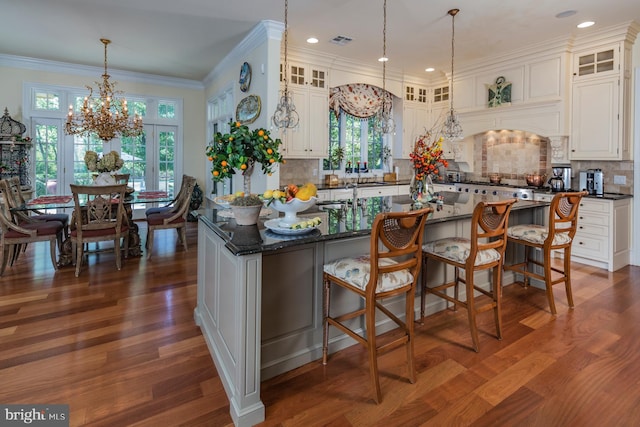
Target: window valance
x=358, y=99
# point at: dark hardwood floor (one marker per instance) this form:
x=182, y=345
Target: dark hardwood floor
x=121, y=348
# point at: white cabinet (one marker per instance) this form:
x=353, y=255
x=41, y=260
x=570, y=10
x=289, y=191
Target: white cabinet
x=600, y=104
x=310, y=138
x=415, y=119
x=604, y=233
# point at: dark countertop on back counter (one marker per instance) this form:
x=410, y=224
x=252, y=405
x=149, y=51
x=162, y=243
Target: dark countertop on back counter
x=338, y=222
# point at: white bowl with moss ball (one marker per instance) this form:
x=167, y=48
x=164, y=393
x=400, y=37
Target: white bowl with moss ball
x=291, y=209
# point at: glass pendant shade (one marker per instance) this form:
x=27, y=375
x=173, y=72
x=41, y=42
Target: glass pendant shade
x=452, y=128
x=285, y=115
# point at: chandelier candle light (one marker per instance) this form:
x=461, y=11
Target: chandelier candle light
x=384, y=119
x=452, y=129
x=106, y=116
x=285, y=115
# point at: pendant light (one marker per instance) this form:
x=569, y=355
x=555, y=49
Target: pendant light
x=452, y=128
x=383, y=120
x=285, y=115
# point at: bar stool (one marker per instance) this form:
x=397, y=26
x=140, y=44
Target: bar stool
x=483, y=251
x=558, y=235
x=391, y=268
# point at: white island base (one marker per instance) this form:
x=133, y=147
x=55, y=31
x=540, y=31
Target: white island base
x=261, y=313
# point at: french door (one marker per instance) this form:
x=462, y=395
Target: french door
x=58, y=159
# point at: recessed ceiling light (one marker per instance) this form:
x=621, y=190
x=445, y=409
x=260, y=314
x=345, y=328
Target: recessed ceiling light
x=312, y=40
x=430, y=70
x=383, y=59
x=585, y=24
x=566, y=14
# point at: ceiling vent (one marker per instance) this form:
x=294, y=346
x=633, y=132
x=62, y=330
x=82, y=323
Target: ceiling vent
x=341, y=40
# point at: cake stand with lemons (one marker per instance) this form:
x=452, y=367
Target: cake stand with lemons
x=291, y=201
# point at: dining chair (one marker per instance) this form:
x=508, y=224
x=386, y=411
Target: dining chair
x=483, y=250
x=174, y=216
x=173, y=204
x=16, y=200
x=391, y=268
x=99, y=216
x=122, y=178
x=13, y=236
x=557, y=235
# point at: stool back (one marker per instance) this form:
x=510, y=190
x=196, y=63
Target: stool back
x=489, y=228
x=397, y=236
x=563, y=215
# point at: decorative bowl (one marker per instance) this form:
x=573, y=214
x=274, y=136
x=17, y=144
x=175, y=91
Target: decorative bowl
x=536, y=179
x=291, y=208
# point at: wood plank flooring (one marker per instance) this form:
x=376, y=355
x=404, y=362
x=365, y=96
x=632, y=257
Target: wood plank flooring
x=121, y=348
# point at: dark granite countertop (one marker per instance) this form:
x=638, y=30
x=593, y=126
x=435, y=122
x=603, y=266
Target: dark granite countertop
x=338, y=221
x=605, y=196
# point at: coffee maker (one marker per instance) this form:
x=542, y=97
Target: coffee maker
x=592, y=180
x=561, y=179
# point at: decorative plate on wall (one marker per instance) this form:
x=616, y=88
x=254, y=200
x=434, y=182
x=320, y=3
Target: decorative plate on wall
x=248, y=109
x=245, y=77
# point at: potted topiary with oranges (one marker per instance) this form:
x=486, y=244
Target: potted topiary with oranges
x=240, y=150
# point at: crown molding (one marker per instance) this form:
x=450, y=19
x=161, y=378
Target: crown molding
x=27, y=63
x=264, y=30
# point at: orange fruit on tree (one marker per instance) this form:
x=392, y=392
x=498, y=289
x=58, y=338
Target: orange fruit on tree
x=210, y=158
x=243, y=166
x=260, y=132
x=238, y=124
x=269, y=151
x=272, y=160
x=223, y=163
x=215, y=173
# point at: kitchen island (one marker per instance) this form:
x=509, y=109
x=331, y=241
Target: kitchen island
x=259, y=301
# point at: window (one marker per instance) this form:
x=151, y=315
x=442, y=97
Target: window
x=46, y=101
x=361, y=142
x=441, y=94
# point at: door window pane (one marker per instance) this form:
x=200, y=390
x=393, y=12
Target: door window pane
x=46, y=157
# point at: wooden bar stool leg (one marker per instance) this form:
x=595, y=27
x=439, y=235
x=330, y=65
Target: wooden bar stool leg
x=497, y=299
x=567, y=275
x=373, y=357
x=325, y=323
x=547, y=281
x=471, y=310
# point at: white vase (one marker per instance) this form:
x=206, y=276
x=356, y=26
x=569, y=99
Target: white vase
x=104, y=178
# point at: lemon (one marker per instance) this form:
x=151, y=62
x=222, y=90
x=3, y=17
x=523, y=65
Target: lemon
x=239, y=193
x=267, y=194
x=277, y=194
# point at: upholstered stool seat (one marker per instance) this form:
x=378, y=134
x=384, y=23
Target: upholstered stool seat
x=535, y=233
x=357, y=272
x=457, y=249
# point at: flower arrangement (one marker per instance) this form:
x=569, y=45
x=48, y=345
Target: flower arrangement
x=427, y=156
x=109, y=162
x=240, y=149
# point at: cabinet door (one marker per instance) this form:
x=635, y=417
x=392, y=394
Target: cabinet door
x=296, y=139
x=318, y=139
x=595, y=122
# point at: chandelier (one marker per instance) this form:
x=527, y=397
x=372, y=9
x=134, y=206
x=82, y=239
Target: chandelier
x=285, y=115
x=452, y=128
x=105, y=116
x=383, y=120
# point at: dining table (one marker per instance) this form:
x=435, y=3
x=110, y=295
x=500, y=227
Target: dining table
x=64, y=202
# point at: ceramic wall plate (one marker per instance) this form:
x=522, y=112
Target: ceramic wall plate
x=245, y=77
x=248, y=109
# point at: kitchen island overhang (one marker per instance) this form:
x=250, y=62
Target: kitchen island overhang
x=259, y=302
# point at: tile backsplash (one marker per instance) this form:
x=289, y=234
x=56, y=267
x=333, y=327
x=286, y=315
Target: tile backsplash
x=512, y=154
